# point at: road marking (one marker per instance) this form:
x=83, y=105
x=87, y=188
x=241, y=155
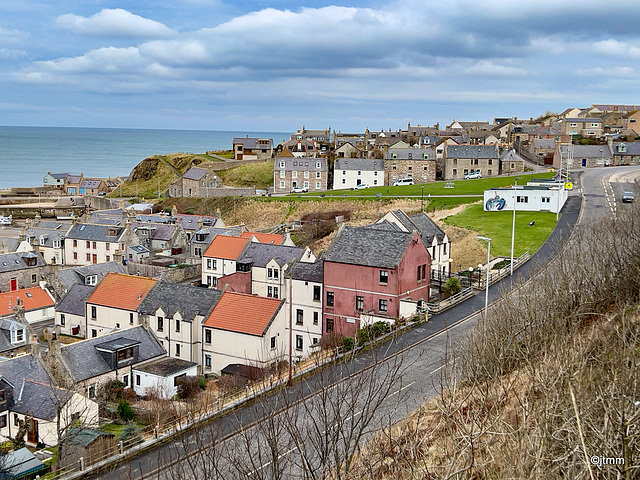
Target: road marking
x=400, y=390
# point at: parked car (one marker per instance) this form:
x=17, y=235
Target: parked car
x=403, y=181
x=361, y=186
x=472, y=175
x=628, y=197
x=298, y=190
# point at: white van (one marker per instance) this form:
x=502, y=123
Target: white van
x=403, y=181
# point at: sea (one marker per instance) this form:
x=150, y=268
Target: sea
x=28, y=153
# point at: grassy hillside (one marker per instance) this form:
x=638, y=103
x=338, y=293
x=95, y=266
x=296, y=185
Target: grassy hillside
x=259, y=175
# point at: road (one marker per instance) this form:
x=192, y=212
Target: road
x=425, y=350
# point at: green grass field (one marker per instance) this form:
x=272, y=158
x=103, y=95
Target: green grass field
x=497, y=226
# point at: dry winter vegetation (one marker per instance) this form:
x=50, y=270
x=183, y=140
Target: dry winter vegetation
x=545, y=383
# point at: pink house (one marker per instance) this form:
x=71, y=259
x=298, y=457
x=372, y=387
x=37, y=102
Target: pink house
x=368, y=272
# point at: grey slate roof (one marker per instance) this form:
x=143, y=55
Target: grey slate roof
x=309, y=272
x=85, y=362
x=186, y=299
x=161, y=231
x=472, y=151
x=511, y=156
x=10, y=262
x=165, y=366
x=75, y=300
x=195, y=173
x=410, y=154
x=69, y=276
x=88, y=183
x=93, y=232
x=262, y=253
x=368, y=246
x=251, y=143
x=16, y=369
x=39, y=399
x=427, y=228
x=633, y=148
x=190, y=222
x=301, y=164
x=10, y=243
x=587, y=151
x=47, y=234
x=18, y=463
x=359, y=164
x=7, y=324
x=211, y=232
x=547, y=143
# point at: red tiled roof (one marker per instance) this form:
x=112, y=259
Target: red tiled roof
x=243, y=313
x=121, y=291
x=228, y=248
x=32, y=299
x=265, y=237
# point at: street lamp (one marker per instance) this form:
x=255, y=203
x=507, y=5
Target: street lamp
x=513, y=222
x=470, y=273
x=479, y=274
x=486, y=293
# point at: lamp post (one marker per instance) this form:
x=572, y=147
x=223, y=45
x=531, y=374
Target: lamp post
x=513, y=222
x=421, y=198
x=479, y=274
x=470, y=273
x=486, y=293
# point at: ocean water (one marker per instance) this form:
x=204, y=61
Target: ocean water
x=28, y=153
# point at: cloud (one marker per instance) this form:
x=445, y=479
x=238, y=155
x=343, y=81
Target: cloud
x=616, y=48
x=614, y=72
x=113, y=23
x=491, y=69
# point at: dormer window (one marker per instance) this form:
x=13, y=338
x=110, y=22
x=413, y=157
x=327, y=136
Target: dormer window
x=91, y=280
x=125, y=353
x=56, y=244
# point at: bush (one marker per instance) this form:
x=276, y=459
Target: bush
x=131, y=433
x=188, y=387
x=348, y=343
x=452, y=287
x=125, y=412
x=113, y=390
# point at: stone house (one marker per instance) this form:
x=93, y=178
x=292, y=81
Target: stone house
x=463, y=159
x=21, y=270
x=309, y=173
x=260, y=149
x=196, y=182
x=416, y=163
x=511, y=163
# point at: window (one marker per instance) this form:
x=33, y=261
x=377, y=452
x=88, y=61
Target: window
x=393, y=167
x=294, y=174
x=283, y=174
x=137, y=379
x=160, y=324
x=215, y=264
x=88, y=244
x=455, y=161
x=382, y=305
x=418, y=273
x=424, y=271
x=299, y=342
x=318, y=175
x=454, y=172
x=282, y=184
x=207, y=362
x=117, y=325
x=177, y=349
x=299, y=316
x=269, y=272
x=16, y=419
x=177, y=326
x=62, y=319
x=108, y=246
x=344, y=180
x=88, y=257
x=94, y=312
x=75, y=255
x=273, y=343
x=489, y=172
x=209, y=263
x=315, y=318
x=207, y=336
x=56, y=244
x=329, y=325
x=125, y=380
x=545, y=199
x=306, y=174
x=75, y=243
x=91, y=391
x=522, y=199
x=318, y=185
x=275, y=292
x=384, y=277
x=269, y=291
x=3, y=421
x=359, y=303
x=94, y=333
x=125, y=353
x=330, y=299
x=130, y=318
x=2, y=396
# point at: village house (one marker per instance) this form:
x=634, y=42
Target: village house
x=368, y=272
x=28, y=394
x=625, y=153
x=196, y=182
x=167, y=238
x=461, y=160
x=320, y=139
x=21, y=270
x=221, y=258
x=90, y=275
x=304, y=282
x=511, y=163
x=72, y=184
x=351, y=172
x=174, y=313
x=87, y=243
x=244, y=329
x=308, y=173
x=86, y=365
x=55, y=180
x=92, y=186
x=113, y=305
x=47, y=238
x=435, y=240
x=36, y=302
x=159, y=378
x=71, y=311
x=584, y=127
x=416, y=163
x=202, y=238
x=576, y=156
x=260, y=149
x=631, y=121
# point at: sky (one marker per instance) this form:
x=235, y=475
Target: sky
x=278, y=65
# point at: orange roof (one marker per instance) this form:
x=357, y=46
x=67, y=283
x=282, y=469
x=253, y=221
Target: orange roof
x=243, y=313
x=121, y=291
x=32, y=299
x=228, y=248
x=265, y=237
